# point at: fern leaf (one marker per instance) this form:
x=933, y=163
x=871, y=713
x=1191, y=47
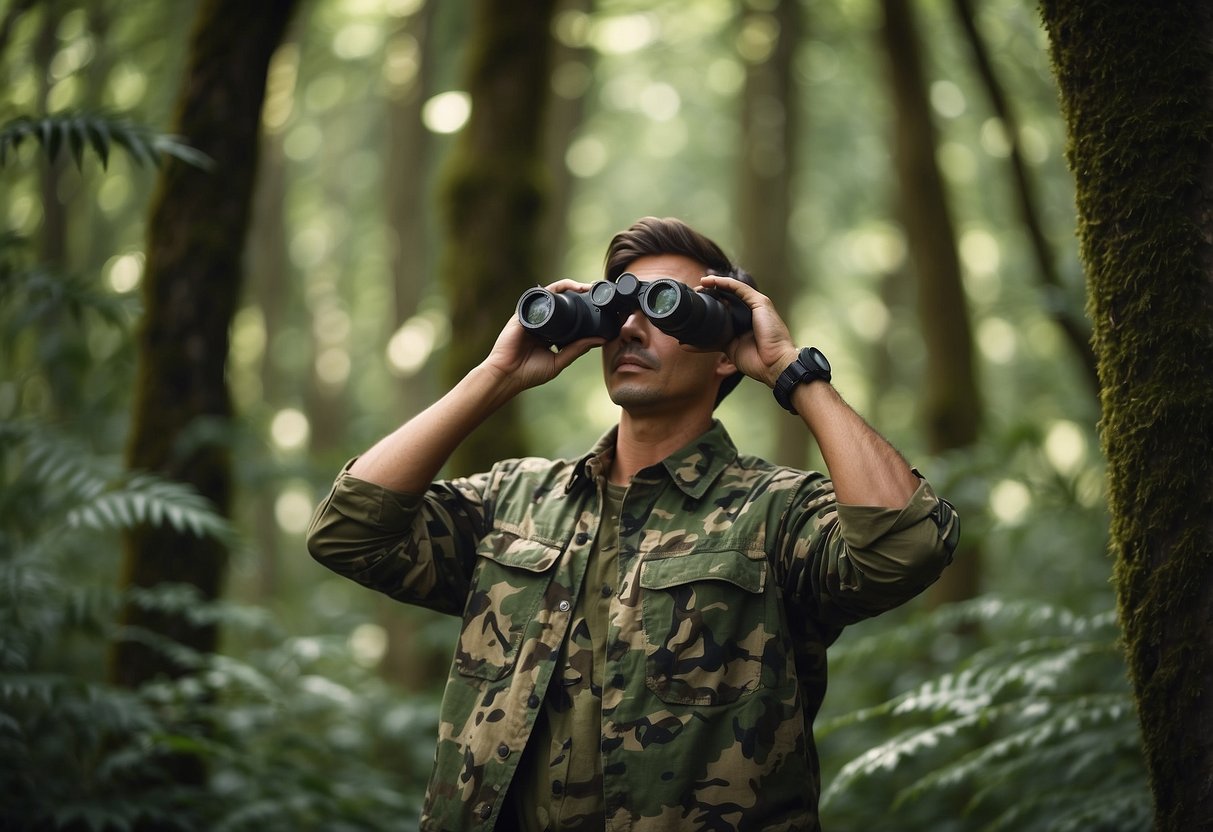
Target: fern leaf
x=98, y=131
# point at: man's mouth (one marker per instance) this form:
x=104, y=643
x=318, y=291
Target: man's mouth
x=634, y=358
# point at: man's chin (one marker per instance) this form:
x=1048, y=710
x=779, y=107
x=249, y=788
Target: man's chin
x=633, y=395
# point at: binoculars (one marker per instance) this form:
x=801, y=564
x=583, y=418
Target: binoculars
x=707, y=320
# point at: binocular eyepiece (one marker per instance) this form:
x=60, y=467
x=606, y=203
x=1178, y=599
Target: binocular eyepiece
x=707, y=320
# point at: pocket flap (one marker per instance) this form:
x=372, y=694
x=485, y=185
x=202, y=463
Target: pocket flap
x=518, y=552
x=728, y=565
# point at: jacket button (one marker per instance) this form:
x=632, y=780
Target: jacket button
x=484, y=810
x=563, y=606
x=503, y=751
x=532, y=701
x=582, y=538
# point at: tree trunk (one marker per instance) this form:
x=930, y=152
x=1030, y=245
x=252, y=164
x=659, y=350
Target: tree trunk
x=191, y=284
x=952, y=401
x=1134, y=83
x=566, y=112
x=494, y=200
x=769, y=121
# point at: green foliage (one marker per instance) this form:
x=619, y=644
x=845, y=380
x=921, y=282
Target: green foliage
x=98, y=132
x=1035, y=729
x=293, y=735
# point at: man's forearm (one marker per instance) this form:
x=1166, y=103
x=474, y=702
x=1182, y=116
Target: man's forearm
x=865, y=468
x=409, y=458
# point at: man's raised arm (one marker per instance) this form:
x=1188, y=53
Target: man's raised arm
x=409, y=458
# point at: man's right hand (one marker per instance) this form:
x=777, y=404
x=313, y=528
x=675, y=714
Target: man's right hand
x=522, y=361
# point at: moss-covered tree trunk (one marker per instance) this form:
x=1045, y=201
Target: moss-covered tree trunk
x=767, y=176
x=952, y=403
x=191, y=284
x=493, y=195
x=1135, y=91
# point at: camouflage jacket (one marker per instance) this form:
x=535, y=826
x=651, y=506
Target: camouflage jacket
x=734, y=576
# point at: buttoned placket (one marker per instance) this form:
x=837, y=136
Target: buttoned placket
x=573, y=563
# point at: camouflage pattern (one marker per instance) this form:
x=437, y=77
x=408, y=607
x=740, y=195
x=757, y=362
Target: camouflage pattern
x=734, y=575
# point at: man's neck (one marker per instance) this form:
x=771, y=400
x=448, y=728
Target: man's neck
x=644, y=441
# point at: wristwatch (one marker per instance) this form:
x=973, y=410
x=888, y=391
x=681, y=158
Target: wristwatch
x=810, y=365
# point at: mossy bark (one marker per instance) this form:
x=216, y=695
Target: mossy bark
x=952, y=401
x=1135, y=92
x=191, y=285
x=493, y=192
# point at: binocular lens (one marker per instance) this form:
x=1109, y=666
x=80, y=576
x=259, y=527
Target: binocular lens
x=602, y=292
x=663, y=300
x=537, y=309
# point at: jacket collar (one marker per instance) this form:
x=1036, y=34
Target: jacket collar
x=693, y=468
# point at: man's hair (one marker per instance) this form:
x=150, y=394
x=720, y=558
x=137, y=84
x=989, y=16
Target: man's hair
x=653, y=236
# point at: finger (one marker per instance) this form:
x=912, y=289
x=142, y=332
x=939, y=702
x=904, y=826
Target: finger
x=750, y=296
x=566, y=285
x=569, y=353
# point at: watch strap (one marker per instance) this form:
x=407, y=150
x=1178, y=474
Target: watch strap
x=800, y=371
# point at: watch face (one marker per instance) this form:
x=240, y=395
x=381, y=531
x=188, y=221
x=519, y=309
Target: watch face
x=812, y=357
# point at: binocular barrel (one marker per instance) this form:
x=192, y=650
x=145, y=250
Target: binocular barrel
x=708, y=320
x=563, y=317
x=701, y=319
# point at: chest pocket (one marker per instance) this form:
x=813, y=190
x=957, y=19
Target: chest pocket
x=708, y=626
x=512, y=575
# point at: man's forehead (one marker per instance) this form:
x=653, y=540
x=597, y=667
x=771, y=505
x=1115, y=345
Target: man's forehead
x=676, y=266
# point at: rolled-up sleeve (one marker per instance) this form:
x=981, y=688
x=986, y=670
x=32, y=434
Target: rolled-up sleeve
x=418, y=549
x=864, y=560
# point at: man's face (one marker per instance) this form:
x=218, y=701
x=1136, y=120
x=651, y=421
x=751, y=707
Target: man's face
x=647, y=371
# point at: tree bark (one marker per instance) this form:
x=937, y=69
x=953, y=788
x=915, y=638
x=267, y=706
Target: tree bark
x=1134, y=83
x=770, y=117
x=951, y=398
x=494, y=197
x=191, y=284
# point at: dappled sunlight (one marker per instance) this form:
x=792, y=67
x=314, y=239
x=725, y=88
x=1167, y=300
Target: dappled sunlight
x=623, y=34
x=290, y=429
x=412, y=345
x=124, y=271
x=368, y=644
x=1066, y=446
x=998, y=340
x=1010, y=501
x=447, y=112
x=586, y=156
x=293, y=509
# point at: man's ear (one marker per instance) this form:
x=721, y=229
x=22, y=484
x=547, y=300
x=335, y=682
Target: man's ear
x=725, y=367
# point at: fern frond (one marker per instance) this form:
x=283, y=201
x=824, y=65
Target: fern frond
x=98, y=132
x=1042, y=709
x=100, y=495
x=142, y=498
x=38, y=294
x=1049, y=722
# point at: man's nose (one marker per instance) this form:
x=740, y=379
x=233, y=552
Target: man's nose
x=634, y=326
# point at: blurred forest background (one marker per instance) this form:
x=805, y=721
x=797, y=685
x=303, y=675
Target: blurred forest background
x=280, y=201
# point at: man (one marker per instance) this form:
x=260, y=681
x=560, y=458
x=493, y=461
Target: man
x=644, y=628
